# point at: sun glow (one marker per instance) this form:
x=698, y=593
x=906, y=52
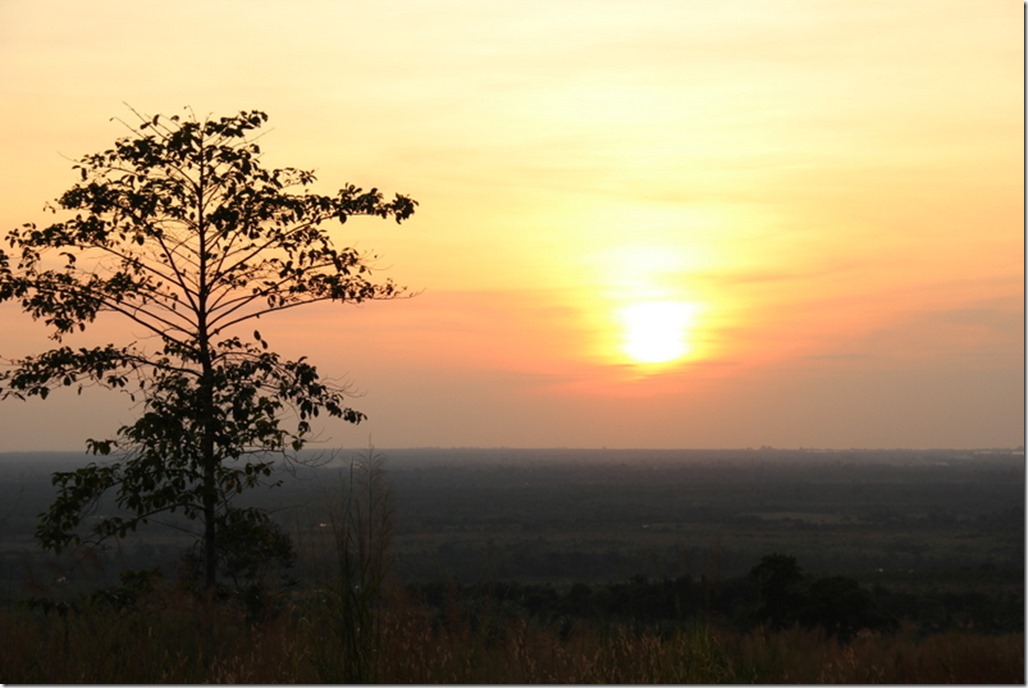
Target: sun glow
x=656, y=331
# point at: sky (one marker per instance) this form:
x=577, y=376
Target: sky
x=699, y=224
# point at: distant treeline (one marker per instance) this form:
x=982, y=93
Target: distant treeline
x=775, y=594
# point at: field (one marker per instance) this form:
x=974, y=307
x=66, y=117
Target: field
x=611, y=515
x=571, y=566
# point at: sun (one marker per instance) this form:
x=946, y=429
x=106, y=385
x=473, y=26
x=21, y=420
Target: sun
x=656, y=331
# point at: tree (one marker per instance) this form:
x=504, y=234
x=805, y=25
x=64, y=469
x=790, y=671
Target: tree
x=180, y=230
x=780, y=578
x=841, y=607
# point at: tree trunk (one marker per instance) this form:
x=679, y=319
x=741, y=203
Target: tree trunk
x=210, y=502
x=207, y=429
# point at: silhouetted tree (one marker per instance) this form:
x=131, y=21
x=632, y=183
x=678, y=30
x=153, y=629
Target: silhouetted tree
x=779, y=578
x=181, y=231
x=841, y=607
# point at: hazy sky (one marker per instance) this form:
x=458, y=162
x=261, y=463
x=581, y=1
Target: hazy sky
x=808, y=213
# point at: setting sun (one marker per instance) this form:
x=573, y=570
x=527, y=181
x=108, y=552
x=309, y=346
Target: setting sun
x=656, y=331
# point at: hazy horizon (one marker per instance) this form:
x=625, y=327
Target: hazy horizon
x=385, y=451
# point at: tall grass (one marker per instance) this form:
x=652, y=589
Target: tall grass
x=362, y=526
x=417, y=645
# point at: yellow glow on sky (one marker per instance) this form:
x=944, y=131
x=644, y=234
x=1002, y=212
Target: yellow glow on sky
x=827, y=199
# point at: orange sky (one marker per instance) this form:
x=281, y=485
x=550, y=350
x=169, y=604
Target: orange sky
x=826, y=197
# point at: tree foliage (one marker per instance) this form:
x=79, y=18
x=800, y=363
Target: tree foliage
x=780, y=579
x=180, y=230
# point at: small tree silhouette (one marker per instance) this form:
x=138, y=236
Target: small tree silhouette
x=780, y=579
x=363, y=530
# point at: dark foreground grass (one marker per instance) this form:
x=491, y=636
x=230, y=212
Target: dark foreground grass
x=173, y=643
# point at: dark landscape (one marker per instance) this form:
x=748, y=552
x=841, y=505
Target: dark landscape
x=761, y=565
